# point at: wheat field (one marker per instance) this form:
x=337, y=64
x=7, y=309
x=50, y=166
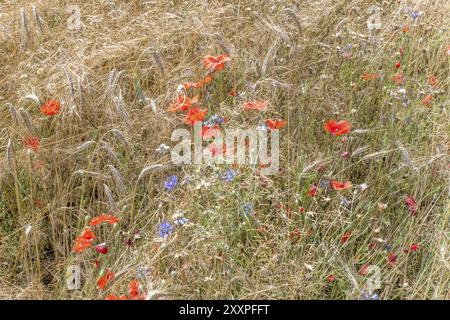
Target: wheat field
x=91, y=91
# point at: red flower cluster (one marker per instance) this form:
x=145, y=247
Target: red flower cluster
x=84, y=241
x=192, y=105
x=51, y=107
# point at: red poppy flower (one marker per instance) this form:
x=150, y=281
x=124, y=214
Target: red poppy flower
x=194, y=115
x=411, y=205
x=81, y=244
x=370, y=76
x=216, y=63
x=345, y=237
x=313, y=191
x=336, y=185
x=259, y=105
x=103, y=281
x=88, y=234
x=275, y=124
x=32, y=143
x=405, y=28
x=414, y=247
x=427, y=100
x=233, y=93
x=182, y=103
x=397, y=65
x=84, y=241
x=114, y=297
x=134, y=292
x=51, y=107
x=108, y=218
x=337, y=128
x=398, y=78
x=331, y=278
x=101, y=248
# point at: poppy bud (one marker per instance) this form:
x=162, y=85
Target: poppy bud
x=102, y=248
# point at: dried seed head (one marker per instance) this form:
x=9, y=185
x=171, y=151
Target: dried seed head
x=406, y=156
x=121, y=109
x=12, y=112
x=158, y=60
x=110, y=199
x=291, y=13
x=269, y=57
x=24, y=23
x=37, y=18
x=117, y=177
x=83, y=146
x=120, y=136
x=110, y=151
x=148, y=170
x=26, y=120
x=33, y=98
x=111, y=78
x=70, y=81
x=10, y=156
x=86, y=173
x=376, y=154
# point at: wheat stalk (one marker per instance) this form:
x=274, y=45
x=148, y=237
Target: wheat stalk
x=24, y=23
x=37, y=18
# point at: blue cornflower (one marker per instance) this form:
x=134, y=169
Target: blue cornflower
x=214, y=119
x=165, y=229
x=171, y=182
x=228, y=175
x=415, y=14
x=248, y=209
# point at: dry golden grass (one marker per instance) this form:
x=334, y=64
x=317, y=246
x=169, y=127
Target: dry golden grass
x=130, y=54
